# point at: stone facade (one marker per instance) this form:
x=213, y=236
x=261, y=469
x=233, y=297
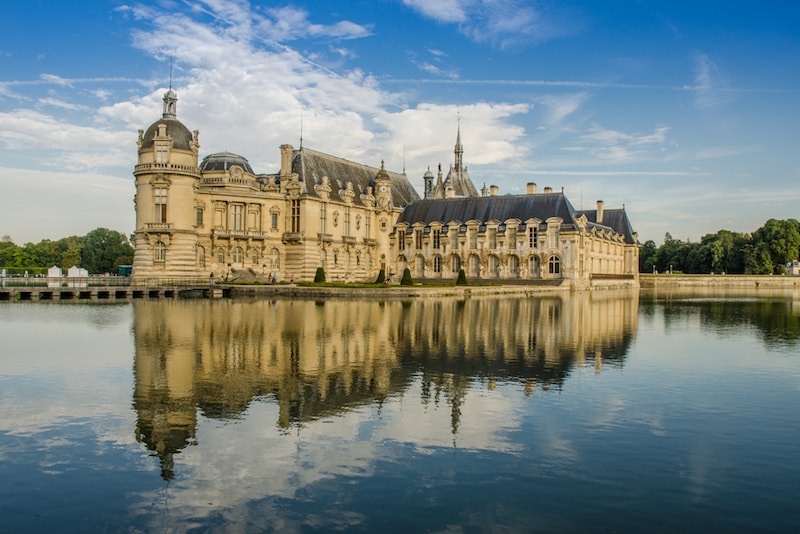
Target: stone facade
x=219, y=218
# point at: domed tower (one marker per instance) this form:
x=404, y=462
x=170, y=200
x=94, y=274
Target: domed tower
x=166, y=176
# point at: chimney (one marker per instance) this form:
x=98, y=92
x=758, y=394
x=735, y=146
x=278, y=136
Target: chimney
x=548, y=189
x=531, y=188
x=494, y=190
x=599, y=212
x=286, y=163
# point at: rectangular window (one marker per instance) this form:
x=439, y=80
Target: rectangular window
x=437, y=239
x=401, y=240
x=533, y=236
x=418, y=239
x=161, y=204
x=274, y=220
x=162, y=154
x=473, y=238
x=296, y=215
x=323, y=215
x=511, y=234
x=492, y=235
x=347, y=221
x=236, y=217
x=199, y=216
x=368, y=224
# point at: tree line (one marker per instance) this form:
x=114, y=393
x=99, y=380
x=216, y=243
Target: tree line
x=100, y=251
x=765, y=251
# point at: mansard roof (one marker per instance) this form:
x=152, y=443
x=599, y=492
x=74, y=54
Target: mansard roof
x=500, y=208
x=311, y=166
x=223, y=161
x=615, y=219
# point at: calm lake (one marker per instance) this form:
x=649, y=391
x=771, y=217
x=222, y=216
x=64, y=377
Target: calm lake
x=582, y=412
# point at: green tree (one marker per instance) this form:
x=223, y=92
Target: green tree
x=71, y=248
x=7, y=251
x=462, y=278
x=319, y=276
x=780, y=240
x=646, y=256
x=104, y=250
x=381, y=277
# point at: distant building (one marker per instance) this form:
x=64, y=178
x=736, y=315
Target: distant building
x=217, y=217
x=793, y=268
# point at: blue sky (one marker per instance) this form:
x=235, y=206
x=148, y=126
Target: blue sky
x=683, y=111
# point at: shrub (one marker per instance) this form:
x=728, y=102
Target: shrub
x=381, y=277
x=462, y=278
x=406, y=280
x=319, y=277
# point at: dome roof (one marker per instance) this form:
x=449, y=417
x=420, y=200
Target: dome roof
x=180, y=134
x=223, y=161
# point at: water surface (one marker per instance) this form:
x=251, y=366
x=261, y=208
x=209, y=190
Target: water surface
x=579, y=412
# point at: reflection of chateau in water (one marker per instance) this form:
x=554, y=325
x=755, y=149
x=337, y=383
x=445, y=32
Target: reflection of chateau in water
x=316, y=359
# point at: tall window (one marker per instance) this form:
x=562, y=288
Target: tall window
x=199, y=213
x=160, y=195
x=368, y=224
x=162, y=154
x=437, y=239
x=418, y=239
x=492, y=235
x=201, y=256
x=296, y=215
x=401, y=240
x=347, y=221
x=554, y=265
x=255, y=256
x=455, y=264
x=220, y=255
x=238, y=255
x=275, y=259
x=437, y=264
x=511, y=234
x=274, y=220
x=236, y=216
x=533, y=236
x=160, y=252
x=473, y=238
x=552, y=237
x=323, y=215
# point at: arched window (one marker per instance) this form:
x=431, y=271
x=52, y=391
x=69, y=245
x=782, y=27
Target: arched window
x=160, y=252
x=275, y=259
x=513, y=265
x=533, y=267
x=554, y=265
x=437, y=264
x=474, y=265
x=255, y=256
x=494, y=265
x=455, y=263
x=220, y=255
x=238, y=255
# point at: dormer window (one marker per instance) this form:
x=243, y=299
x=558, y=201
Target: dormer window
x=162, y=153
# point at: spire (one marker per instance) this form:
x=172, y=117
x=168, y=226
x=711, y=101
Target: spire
x=459, y=151
x=170, y=99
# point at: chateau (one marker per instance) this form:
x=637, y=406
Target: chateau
x=218, y=217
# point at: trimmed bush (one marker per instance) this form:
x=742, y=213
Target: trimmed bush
x=319, y=277
x=406, y=280
x=462, y=278
x=381, y=277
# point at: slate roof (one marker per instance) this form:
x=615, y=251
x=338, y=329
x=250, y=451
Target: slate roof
x=223, y=161
x=181, y=136
x=500, y=208
x=616, y=219
x=311, y=166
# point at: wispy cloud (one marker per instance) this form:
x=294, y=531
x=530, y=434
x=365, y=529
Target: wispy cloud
x=503, y=23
